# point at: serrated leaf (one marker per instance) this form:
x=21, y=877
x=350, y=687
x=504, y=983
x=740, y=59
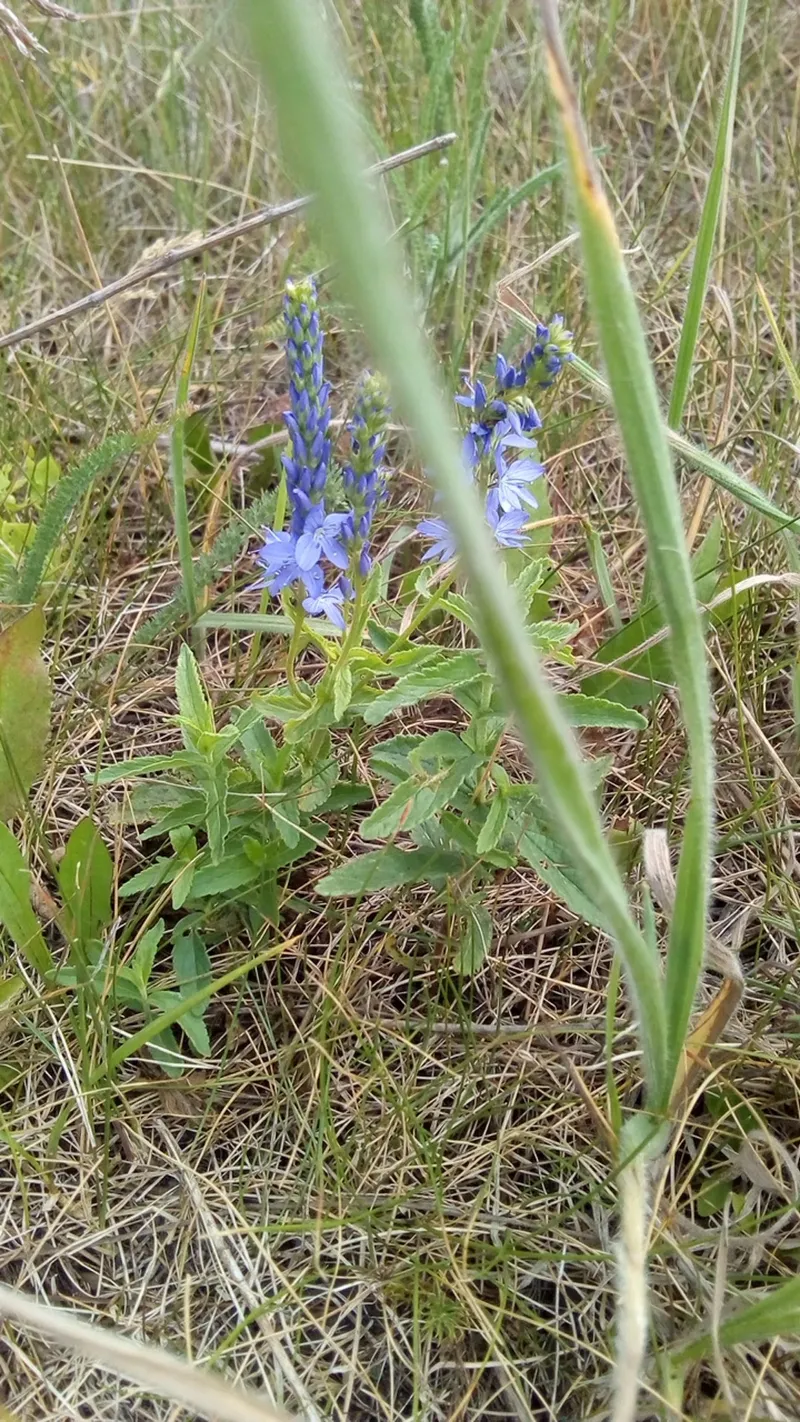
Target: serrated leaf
x=476, y=942
x=298, y=728
x=154, y=876
x=16, y=914
x=286, y=815
x=583, y=710
x=430, y=680
x=196, y=715
x=492, y=829
x=85, y=878
x=413, y=801
x=234, y=872
x=389, y=868
x=25, y=700
x=165, y=1051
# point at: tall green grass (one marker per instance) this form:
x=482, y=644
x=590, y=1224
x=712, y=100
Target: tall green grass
x=712, y=215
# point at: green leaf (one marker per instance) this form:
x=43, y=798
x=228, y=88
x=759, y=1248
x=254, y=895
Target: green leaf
x=154, y=876
x=435, y=679
x=342, y=689
x=267, y=763
x=547, y=858
x=69, y=490
x=141, y=963
x=149, y=765
x=198, y=444
x=286, y=814
x=16, y=914
x=10, y=989
x=595, y=711
x=191, y=962
x=229, y=876
x=476, y=942
x=494, y=824
x=165, y=1051
x=86, y=878
x=25, y=700
x=775, y=1314
x=42, y=476
x=197, y=1032
x=413, y=801
x=389, y=868
x=196, y=715
x=637, y=680
x=215, y=788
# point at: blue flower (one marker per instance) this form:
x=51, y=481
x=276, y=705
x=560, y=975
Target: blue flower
x=550, y=352
x=321, y=537
x=507, y=527
x=507, y=376
x=277, y=557
x=321, y=601
x=476, y=398
x=444, y=545
x=514, y=484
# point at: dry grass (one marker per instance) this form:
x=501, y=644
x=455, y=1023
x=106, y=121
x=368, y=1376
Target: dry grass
x=386, y=1194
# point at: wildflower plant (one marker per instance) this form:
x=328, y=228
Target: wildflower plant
x=255, y=797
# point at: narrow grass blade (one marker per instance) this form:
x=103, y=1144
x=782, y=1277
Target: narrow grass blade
x=712, y=210
x=775, y=1313
x=178, y=461
x=636, y=403
x=687, y=450
x=322, y=133
x=788, y=364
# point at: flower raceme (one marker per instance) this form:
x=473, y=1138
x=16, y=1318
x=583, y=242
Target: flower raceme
x=316, y=536
x=500, y=437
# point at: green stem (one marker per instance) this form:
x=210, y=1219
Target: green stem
x=295, y=646
x=180, y=508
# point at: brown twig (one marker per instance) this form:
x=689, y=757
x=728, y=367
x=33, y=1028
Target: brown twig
x=140, y=275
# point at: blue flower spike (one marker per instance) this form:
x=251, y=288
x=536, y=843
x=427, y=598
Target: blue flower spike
x=294, y=556
x=317, y=538
x=504, y=421
x=363, y=476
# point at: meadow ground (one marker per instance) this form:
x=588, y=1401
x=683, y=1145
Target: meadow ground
x=386, y=1192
